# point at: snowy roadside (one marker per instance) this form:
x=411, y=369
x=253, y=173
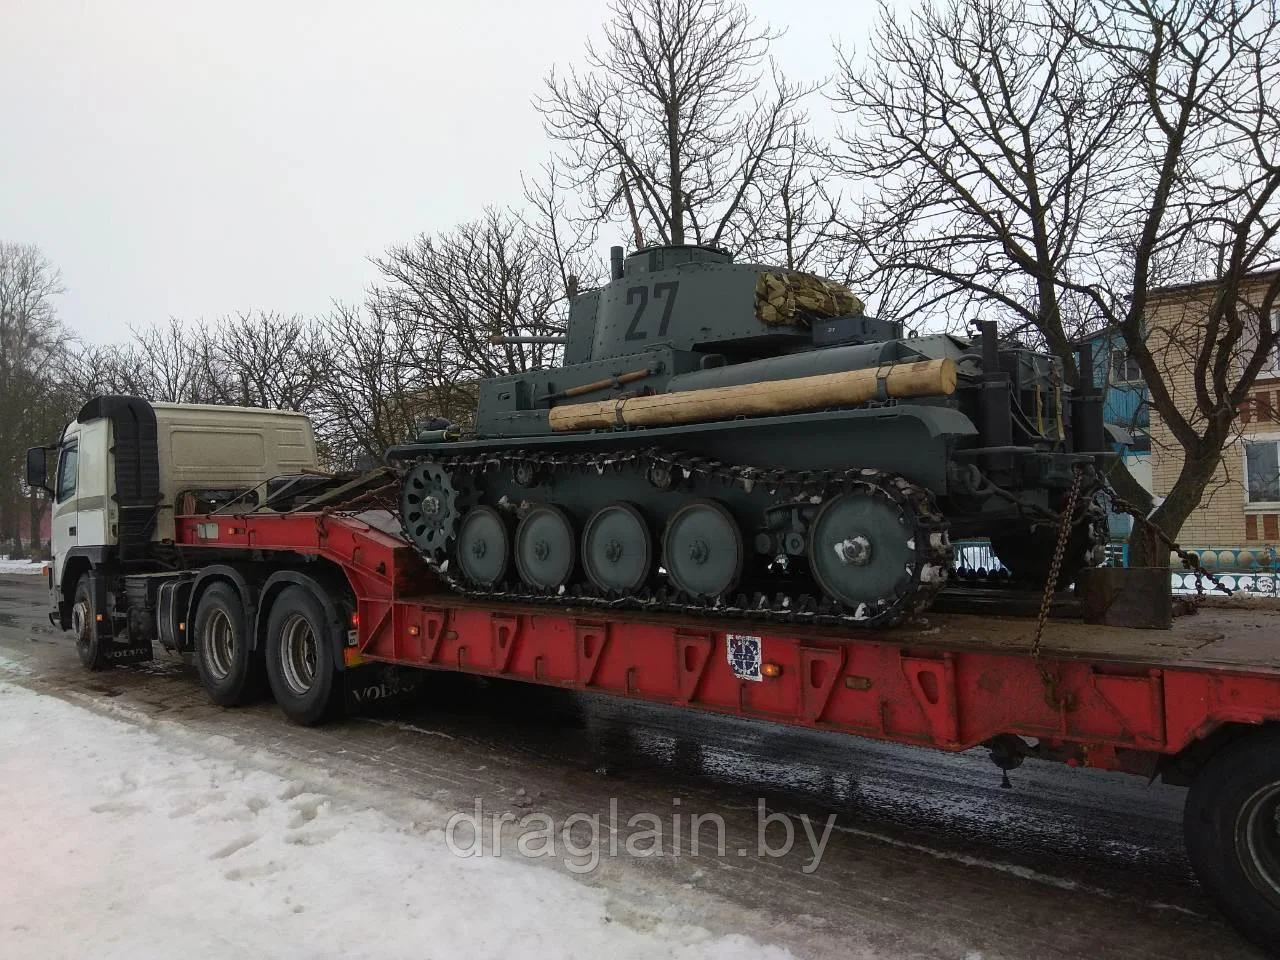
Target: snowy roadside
x=20, y=566
x=123, y=842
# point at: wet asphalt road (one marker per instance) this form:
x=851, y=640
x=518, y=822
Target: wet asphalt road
x=929, y=857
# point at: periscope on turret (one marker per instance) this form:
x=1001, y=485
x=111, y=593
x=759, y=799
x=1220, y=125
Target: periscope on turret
x=746, y=438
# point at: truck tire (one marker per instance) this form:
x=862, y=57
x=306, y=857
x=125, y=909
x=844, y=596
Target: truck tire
x=229, y=669
x=92, y=651
x=300, y=658
x=1232, y=830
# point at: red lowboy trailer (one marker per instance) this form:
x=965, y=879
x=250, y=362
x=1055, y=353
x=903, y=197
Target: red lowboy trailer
x=318, y=593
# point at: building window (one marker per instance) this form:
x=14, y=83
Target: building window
x=1262, y=471
x=1270, y=369
x=1124, y=367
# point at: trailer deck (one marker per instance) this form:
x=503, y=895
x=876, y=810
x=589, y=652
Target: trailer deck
x=1118, y=698
x=1218, y=636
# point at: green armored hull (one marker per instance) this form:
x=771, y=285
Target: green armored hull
x=738, y=437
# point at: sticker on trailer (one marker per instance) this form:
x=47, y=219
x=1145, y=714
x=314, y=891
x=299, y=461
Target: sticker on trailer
x=744, y=656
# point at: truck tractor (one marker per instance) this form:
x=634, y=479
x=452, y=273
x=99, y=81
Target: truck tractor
x=121, y=580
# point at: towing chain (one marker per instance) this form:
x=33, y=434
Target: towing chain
x=1065, y=523
x=931, y=535
x=1190, y=561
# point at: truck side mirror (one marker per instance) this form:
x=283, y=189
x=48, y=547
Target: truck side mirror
x=37, y=469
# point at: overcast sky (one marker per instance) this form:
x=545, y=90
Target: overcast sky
x=190, y=160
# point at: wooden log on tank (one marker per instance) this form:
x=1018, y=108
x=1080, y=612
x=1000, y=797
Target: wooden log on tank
x=924, y=378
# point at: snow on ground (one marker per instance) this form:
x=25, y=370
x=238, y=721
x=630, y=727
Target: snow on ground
x=20, y=566
x=123, y=842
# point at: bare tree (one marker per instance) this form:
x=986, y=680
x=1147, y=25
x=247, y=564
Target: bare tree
x=91, y=369
x=456, y=291
x=1049, y=165
x=375, y=394
x=980, y=139
x=32, y=341
x=264, y=359
x=678, y=123
x=165, y=363
x=792, y=216
x=566, y=242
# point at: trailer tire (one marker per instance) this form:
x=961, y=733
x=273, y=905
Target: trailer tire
x=84, y=625
x=1232, y=831
x=230, y=670
x=300, y=658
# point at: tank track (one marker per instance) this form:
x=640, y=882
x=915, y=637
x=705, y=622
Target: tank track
x=933, y=542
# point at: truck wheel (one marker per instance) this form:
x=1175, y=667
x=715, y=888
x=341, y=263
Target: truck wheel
x=84, y=625
x=229, y=670
x=300, y=658
x=1232, y=828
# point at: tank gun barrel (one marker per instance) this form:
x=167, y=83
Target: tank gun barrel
x=926, y=378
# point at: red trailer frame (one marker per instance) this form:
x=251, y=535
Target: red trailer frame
x=1114, y=714
x=1196, y=708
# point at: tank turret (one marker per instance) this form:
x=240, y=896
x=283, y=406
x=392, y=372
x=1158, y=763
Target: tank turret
x=730, y=435
x=697, y=298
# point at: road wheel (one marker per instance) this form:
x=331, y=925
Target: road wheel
x=1232, y=829
x=229, y=669
x=546, y=548
x=92, y=651
x=617, y=551
x=300, y=658
x=702, y=550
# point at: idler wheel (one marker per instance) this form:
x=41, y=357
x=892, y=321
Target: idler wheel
x=702, y=549
x=862, y=551
x=484, y=546
x=617, y=550
x=546, y=547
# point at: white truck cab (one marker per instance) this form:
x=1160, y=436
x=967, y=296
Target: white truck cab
x=126, y=467
x=80, y=491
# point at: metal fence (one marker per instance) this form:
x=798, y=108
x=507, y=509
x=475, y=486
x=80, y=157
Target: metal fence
x=1253, y=570
x=977, y=557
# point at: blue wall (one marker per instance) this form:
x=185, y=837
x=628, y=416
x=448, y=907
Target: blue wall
x=1124, y=404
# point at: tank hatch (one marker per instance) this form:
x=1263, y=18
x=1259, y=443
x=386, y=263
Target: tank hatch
x=657, y=259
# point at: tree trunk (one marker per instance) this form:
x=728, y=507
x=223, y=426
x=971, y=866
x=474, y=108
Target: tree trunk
x=676, y=180
x=1128, y=488
x=13, y=525
x=1148, y=550
x=35, y=510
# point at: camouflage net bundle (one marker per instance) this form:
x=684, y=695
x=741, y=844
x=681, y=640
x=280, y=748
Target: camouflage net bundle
x=784, y=299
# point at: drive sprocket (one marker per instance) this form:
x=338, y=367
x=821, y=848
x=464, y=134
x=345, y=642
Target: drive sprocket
x=430, y=509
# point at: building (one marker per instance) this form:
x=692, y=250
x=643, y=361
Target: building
x=1126, y=412
x=1237, y=525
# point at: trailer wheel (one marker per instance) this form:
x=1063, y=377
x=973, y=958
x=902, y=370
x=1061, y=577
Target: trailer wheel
x=300, y=658
x=229, y=670
x=1232, y=829
x=84, y=625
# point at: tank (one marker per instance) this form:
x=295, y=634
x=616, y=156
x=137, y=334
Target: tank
x=746, y=439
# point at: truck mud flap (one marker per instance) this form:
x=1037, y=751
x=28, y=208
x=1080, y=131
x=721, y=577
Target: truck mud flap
x=372, y=685
x=118, y=654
